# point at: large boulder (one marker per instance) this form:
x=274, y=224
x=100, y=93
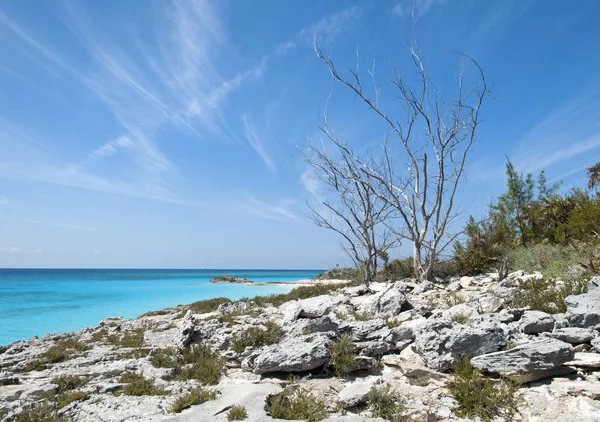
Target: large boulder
x=318, y=306
x=584, y=310
x=535, y=322
x=573, y=335
x=354, y=394
x=185, y=330
x=384, y=304
x=290, y=311
x=440, y=342
x=293, y=354
x=540, y=355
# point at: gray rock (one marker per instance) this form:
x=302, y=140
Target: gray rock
x=461, y=309
x=316, y=325
x=489, y=303
x=316, y=307
x=423, y=287
x=293, y=354
x=535, y=322
x=585, y=360
x=572, y=335
x=384, y=304
x=594, y=284
x=440, y=342
x=540, y=355
x=185, y=331
x=583, y=310
x=596, y=344
x=290, y=311
x=454, y=286
x=365, y=330
x=354, y=394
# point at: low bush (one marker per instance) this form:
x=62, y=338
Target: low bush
x=41, y=412
x=194, y=397
x=362, y=316
x=64, y=399
x=454, y=298
x=302, y=292
x=59, y=352
x=67, y=382
x=237, y=413
x=480, y=397
x=137, y=385
x=343, y=355
x=206, y=306
x=256, y=337
x=543, y=295
x=165, y=358
x=133, y=339
x=296, y=403
x=460, y=317
x=385, y=402
x=200, y=363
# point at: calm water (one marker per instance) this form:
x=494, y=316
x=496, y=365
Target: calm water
x=36, y=301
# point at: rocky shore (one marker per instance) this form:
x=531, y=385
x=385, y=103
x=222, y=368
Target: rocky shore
x=335, y=348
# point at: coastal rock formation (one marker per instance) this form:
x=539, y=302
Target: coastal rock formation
x=398, y=335
x=230, y=279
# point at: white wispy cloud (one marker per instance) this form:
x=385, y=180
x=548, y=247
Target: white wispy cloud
x=281, y=210
x=404, y=8
x=256, y=144
x=330, y=27
x=10, y=249
x=110, y=148
x=310, y=182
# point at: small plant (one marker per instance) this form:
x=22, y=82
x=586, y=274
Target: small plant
x=480, y=397
x=255, y=337
x=392, y=322
x=237, y=413
x=67, y=382
x=542, y=295
x=386, y=403
x=362, y=316
x=34, y=365
x=200, y=363
x=342, y=316
x=511, y=345
x=460, y=317
x=309, y=329
x=454, y=298
x=343, y=355
x=296, y=404
x=137, y=353
x=41, y=412
x=67, y=398
x=133, y=339
x=196, y=396
x=137, y=385
x=59, y=352
x=165, y=358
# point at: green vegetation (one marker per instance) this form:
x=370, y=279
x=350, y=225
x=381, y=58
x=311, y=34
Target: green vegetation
x=59, y=352
x=68, y=382
x=237, y=413
x=302, y=292
x=137, y=353
x=309, y=329
x=386, y=403
x=41, y=412
x=362, y=316
x=133, y=339
x=454, y=298
x=200, y=363
x=165, y=358
x=460, y=317
x=343, y=355
x=543, y=295
x=399, y=269
x=206, y=306
x=194, y=397
x=256, y=337
x=137, y=385
x=296, y=403
x=393, y=322
x=481, y=397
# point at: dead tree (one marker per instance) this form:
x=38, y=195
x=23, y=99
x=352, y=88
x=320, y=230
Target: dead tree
x=351, y=207
x=422, y=166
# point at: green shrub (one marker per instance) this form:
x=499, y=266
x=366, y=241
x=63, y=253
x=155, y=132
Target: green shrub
x=553, y=261
x=69, y=397
x=137, y=353
x=59, y=352
x=481, y=397
x=393, y=322
x=34, y=365
x=363, y=316
x=397, y=269
x=302, y=292
x=454, y=298
x=309, y=329
x=133, y=339
x=194, y=397
x=200, y=363
x=343, y=355
x=237, y=413
x=256, y=337
x=41, y=412
x=206, y=306
x=67, y=382
x=137, y=385
x=542, y=295
x=386, y=403
x=165, y=358
x=296, y=403
x=460, y=317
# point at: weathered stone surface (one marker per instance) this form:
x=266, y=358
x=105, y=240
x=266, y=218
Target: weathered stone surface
x=294, y=354
x=489, y=303
x=290, y=311
x=228, y=279
x=365, y=330
x=460, y=310
x=185, y=331
x=583, y=310
x=585, y=360
x=423, y=287
x=440, y=342
x=572, y=335
x=384, y=304
x=354, y=394
x=535, y=322
x=594, y=284
x=316, y=307
x=539, y=355
x=596, y=344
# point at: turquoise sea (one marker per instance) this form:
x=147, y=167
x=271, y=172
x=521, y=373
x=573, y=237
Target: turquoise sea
x=34, y=302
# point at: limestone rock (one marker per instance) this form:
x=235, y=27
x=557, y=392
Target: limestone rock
x=290, y=311
x=540, y=355
x=489, y=303
x=594, y=284
x=585, y=360
x=293, y=354
x=535, y=322
x=354, y=394
x=316, y=307
x=384, y=304
x=461, y=309
x=584, y=310
x=572, y=335
x=440, y=342
x=185, y=331
x=596, y=344
x=423, y=287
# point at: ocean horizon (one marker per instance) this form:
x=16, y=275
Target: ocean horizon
x=38, y=301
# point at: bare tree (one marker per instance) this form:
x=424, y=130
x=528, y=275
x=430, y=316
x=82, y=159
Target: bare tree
x=352, y=208
x=419, y=174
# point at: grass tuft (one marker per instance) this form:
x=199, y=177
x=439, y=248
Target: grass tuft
x=256, y=337
x=296, y=404
x=386, y=403
x=363, y=316
x=200, y=363
x=542, y=295
x=237, y=413
x=343, y=355
x=460, y=317
x=67, y=382
x=137, y=385
x=194, y=397
x=206, y=306
x=481, y=397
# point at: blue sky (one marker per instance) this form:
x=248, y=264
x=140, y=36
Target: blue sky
x=168, y=133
